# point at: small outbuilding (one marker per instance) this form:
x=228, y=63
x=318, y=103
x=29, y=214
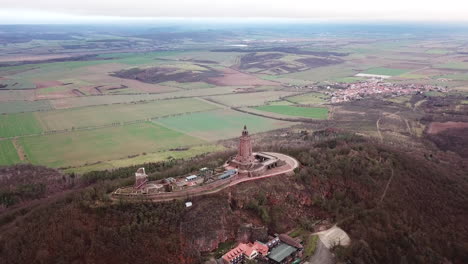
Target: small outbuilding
x=191, y=178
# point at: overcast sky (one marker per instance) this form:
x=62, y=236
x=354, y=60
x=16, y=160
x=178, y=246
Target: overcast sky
x=17, y=11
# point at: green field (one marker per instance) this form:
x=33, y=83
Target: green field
x=309, y=112
x=434, y=94
x=149, y=157
x=399, y=99
x=220, y=124
x=385, y=71
x=24, y=106
x=349, y=79
x=17, y=84
x=8, y=154
x=189, y=85
x=453, y=65
x=78, y=148
x=309, y=98
x=117, y=113
x=319, y=74
x=249, y=99
x=18, y=125
x=280, y=103
x=437, y=51
x=458, y=77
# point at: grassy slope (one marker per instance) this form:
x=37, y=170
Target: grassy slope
x=310, y=112
x=8, y=154
x=78, y=148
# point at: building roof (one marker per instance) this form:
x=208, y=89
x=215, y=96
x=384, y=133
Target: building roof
x=281, y=252
x=290, y=241
x=261, y=248
x=233, y=253
x=191, y=177
x=247, y=249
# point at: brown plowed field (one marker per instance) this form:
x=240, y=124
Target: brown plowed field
x=437, y=127
x=46, y=84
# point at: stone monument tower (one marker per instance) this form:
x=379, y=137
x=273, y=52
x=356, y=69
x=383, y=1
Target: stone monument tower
x=244, y=158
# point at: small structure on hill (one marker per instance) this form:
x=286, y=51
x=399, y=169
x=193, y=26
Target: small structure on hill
x=140, y=178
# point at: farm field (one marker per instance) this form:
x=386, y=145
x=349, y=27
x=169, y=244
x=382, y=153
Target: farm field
x=385, y=71
x=78, y=148
x=318, y=74
x=19, y=124
x=220, y=124
x=24, y=106
x=309, y=98
x=149, y=157
x=308, y=112
x=16, y=95
x=250, y=99
x=453, y=65
x=191, y=85
x=8, y=154
x=118, y=113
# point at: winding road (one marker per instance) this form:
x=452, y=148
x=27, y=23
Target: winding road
x=215, y=187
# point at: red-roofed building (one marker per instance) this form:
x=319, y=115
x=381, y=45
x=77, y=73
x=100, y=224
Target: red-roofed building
x=245, y=251
x=261, y=248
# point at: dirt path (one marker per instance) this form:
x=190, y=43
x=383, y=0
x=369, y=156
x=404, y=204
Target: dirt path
x=377, y=124
x=386, y=186
x=19, y=150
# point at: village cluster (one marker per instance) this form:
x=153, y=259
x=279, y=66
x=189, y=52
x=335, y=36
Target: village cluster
x=360, y=90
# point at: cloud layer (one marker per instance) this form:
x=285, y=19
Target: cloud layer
x=430, y=10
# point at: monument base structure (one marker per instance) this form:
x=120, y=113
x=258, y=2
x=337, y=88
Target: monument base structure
x=251, y=163
x=245, y=166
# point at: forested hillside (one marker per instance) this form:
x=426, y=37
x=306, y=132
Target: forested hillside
x=397, y=208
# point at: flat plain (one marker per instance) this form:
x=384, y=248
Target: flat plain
x=69, y=103
x=8, y=154
x=307, y=112
x=19, y=125
x=220, y=124
x=81, y=147
x=118, y=113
